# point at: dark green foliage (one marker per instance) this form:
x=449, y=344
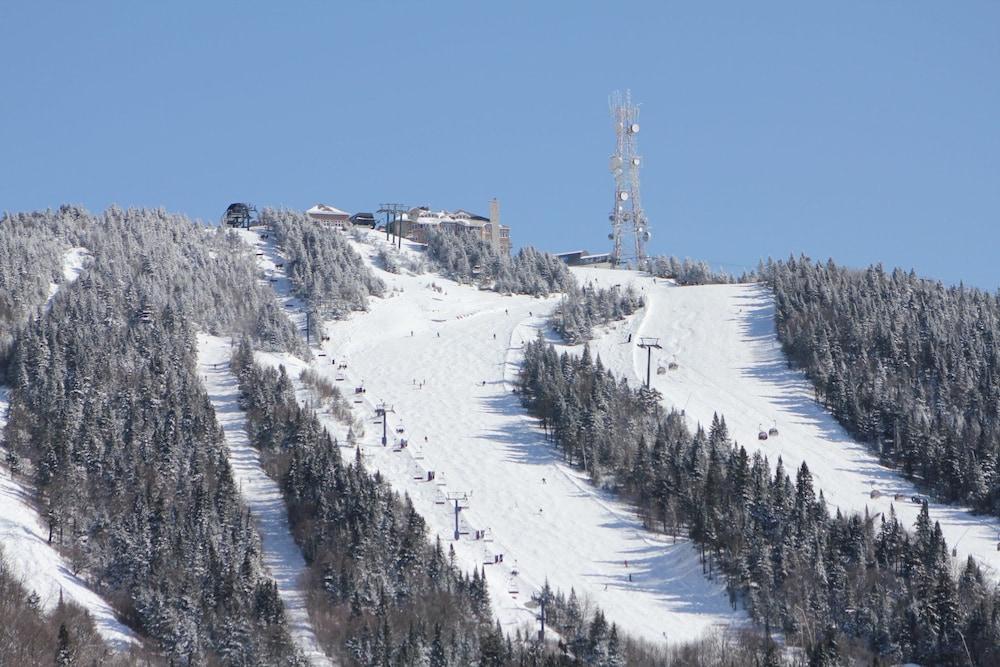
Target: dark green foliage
x=907, y=365
x=581, y=309
x=384, y=589
x=109, y=419
x=841, y=586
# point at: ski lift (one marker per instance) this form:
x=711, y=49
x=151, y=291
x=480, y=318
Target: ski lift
x=875, y=494
x=673, y=366
x=773, y=431
x=761, y=433
x=512, y=587
x=661, y=370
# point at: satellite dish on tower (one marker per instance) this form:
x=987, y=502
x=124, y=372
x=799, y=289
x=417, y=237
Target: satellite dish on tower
x=627, y=218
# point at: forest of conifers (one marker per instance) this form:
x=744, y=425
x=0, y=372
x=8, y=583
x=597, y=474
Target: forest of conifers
x=111, y=430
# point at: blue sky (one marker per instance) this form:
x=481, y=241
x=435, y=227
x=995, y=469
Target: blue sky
x=862, y=131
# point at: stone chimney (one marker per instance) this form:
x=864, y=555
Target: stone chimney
x=495, y=224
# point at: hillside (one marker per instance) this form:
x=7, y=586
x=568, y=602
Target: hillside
x=435, y=365
x=730, y=362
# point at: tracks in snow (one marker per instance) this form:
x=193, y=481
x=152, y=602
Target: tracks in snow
x=281, y=554
x=731, y=362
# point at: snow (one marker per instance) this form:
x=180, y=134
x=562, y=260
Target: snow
x=442, y=359
x=24, y=537
x=730, y=361
x=282, y=556
x=74, y=261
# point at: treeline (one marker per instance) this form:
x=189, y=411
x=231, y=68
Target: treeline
x=468, y=259
x=108, y=418
x=63, y=636
x=30, y=259
x=907, y=365
x=690, y=272
x=381, y=592
x=323, y=267
x=583, y=308
x=843, y=587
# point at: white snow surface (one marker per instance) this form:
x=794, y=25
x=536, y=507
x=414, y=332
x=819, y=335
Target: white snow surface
x=443, y=359
x=730, y=361
x=24, y=536
x=74, y=261
x=281, y=554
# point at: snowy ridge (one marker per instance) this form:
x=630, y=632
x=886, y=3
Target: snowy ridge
x=440, y=358
x=730, y=361
x=24, y=537
x=281, y=554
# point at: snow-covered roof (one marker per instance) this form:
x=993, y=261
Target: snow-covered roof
x=423, y=216
x=326, y=211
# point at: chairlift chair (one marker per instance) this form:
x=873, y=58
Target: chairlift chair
x=673, y=366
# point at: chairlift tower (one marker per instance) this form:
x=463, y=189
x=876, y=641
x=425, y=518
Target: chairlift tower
x=649, y=344
x=383, y=411
x=393, y=220
x=461, y=500
x=629, y=226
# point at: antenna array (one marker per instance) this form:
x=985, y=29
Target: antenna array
x=628, y=221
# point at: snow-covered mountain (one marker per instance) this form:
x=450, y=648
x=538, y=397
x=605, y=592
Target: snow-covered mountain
x=440, y=357
x=428, y=368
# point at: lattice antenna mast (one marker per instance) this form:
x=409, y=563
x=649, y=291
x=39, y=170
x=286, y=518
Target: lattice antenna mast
x=628, y=221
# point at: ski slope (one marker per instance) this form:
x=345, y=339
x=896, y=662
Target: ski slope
x=440, y=356
x=730, y=361
x=282, y=556
x=24, y=537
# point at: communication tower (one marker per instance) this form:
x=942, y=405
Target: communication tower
x=628, y=221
